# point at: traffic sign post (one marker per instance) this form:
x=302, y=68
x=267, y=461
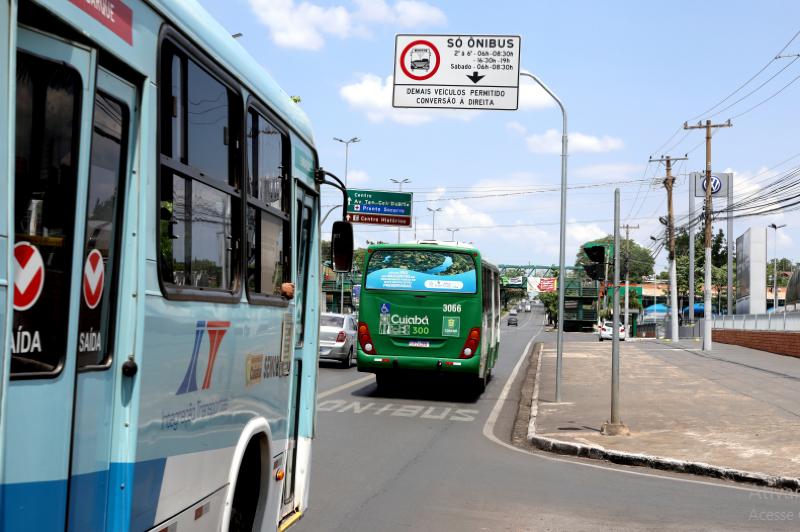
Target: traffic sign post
x=379, y=207
x=457, y=72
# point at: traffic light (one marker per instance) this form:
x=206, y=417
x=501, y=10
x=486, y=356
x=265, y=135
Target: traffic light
x=595, y=271
x=597, y=268
x=596, y=253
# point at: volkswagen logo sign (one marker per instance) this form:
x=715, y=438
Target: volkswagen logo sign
x=716, y=184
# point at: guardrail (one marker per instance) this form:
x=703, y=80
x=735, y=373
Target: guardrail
x=775, y=321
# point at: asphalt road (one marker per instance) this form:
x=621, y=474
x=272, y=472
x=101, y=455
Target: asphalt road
x=435, y=459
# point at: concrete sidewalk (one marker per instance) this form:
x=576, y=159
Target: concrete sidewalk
x=733, y=409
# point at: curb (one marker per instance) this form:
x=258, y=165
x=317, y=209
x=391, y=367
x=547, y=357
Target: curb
x=597, y=452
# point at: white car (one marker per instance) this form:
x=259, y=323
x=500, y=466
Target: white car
x=337, y=338
x=607, y=330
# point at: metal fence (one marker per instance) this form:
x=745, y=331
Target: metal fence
x=776, y=321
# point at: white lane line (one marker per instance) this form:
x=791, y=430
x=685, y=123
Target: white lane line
x=488, y=427
x=323, y=395
x=488, y=432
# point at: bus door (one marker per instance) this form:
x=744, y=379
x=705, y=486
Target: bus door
x=305, y=216
x=73, y=123
x=106, y=319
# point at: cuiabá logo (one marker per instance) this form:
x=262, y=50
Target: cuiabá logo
x=216, y=331
x=409, y=320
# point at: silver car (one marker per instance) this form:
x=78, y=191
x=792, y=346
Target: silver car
x=337, y=337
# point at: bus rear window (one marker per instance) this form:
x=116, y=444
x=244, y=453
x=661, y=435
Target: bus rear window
x=421, y=271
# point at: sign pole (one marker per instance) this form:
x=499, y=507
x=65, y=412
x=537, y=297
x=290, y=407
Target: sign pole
x=693, y=177
x=615, y=427
x=562, y=235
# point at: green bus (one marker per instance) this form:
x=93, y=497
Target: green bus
x=428, y=307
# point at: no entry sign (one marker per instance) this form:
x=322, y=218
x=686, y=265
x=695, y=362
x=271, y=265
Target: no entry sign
x=457, y=71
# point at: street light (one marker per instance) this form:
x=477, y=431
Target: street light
x=346, y=157
x=433, y=223
x=775, y=268
x=400, y=189
x=453, y=233
x=346, y=153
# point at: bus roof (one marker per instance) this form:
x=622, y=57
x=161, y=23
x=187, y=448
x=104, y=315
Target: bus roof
x=437, y=245
x=191, y=18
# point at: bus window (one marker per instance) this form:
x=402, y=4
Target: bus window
x=304, y=235
x=106, y=185
x=421, y=271
x=47, y=129
x=199, y=196
x=268, y=229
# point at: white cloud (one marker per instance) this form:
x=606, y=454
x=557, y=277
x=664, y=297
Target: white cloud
x=517, y=128
x=357, y=177
x=550, y=142
x=305, y=25
x=373, y=96
x=532, y=96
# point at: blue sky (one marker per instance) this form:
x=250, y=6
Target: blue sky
x=630, y=73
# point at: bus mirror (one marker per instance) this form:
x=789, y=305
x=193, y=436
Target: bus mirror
x=342, y=247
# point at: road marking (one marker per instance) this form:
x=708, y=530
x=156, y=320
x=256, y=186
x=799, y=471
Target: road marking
x=344, y=386
x=488, y=432
x=438, y=413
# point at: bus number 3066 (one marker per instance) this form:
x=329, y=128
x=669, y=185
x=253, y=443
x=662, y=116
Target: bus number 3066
x=451, y=307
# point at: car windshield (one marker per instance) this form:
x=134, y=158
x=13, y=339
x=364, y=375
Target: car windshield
x=420, y=270
x=331, y=321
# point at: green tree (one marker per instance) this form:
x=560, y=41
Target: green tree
x=640, y=262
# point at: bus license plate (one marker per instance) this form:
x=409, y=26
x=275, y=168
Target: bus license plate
x=419, y=343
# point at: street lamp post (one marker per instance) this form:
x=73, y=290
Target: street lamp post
x=562, y=236
x=433, y=223
x=399, y=189
x=346, y=143
x=774, y=268
x=453, y=233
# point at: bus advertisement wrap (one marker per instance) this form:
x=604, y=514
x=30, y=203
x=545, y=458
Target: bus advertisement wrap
x=399, y=279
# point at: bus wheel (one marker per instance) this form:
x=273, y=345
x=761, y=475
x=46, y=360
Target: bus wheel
x=384, y=381
x=248, y=487
x=480, y=383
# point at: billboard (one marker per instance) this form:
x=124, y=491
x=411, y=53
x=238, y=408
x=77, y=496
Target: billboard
x=751, y=271
x=542, y=284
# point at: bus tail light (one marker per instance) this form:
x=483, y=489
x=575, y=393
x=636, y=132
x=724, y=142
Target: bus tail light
x=471, y=345
x=340, y=337
x=365, y=339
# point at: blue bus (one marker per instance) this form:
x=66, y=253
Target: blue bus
x=159, y=274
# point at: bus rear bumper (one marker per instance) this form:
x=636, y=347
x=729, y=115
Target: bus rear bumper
x=403, y=363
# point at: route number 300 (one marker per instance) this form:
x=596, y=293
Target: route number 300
x=454, y=307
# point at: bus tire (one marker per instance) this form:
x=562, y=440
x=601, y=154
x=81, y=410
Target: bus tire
x=479, y=384
x=247, y=491
x=384, y=381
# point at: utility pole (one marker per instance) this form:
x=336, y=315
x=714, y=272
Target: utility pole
x=627, y=270
x=691, y=252
x=399, y=189
x=708, y=126
x=615, y=427
x=669, y=182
